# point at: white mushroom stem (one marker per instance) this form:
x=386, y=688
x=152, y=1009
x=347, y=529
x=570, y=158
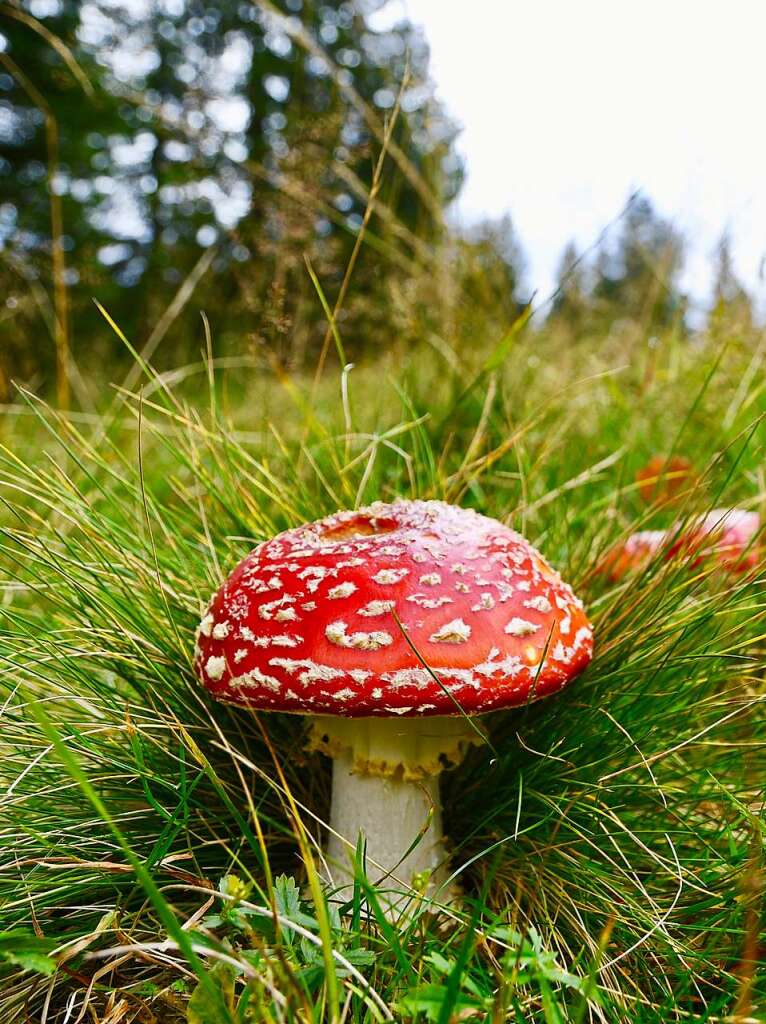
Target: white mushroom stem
x=394, y=816
x=386, y=790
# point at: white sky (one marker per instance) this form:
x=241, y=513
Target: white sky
x=568, y=105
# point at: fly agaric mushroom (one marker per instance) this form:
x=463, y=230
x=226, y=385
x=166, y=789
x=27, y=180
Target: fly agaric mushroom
x=663, y=480
x=325, y=620
x=726, y=535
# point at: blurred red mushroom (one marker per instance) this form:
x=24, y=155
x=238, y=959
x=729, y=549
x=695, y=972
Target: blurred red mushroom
x=728, y=536
x=664, y=479
x=325, y=620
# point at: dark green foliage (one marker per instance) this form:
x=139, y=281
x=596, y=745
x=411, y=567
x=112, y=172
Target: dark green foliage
x=252, y=128
x=631, y=281
x=491, y=269
x=637, y=275
x=571, y=301
x=732, y=305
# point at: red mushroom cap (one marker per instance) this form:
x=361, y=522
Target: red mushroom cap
x=728, y=535
x=663, y=480
x=305, y=623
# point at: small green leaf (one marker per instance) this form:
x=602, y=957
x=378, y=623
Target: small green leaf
x=429, y=999
x=205, y=1004
x=37, y=962
x=441, y=963
x=287, y=896
x=26, y=950
x=360, y=957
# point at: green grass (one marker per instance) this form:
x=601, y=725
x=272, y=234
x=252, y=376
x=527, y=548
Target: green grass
x=159, y=853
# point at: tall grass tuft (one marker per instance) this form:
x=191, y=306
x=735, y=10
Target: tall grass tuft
x=160, y=854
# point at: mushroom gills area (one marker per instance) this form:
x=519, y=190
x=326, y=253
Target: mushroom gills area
x=403, y=748
x=400, y=823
